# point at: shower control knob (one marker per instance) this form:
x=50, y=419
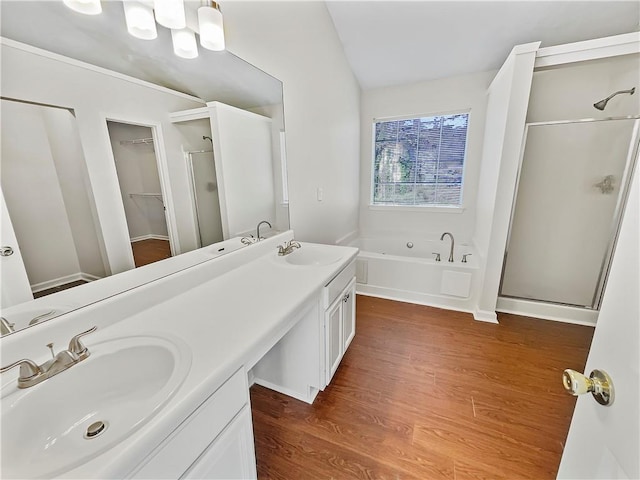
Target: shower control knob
x=6, y=251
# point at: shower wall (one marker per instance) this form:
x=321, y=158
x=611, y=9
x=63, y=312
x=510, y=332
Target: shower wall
x=569, y=91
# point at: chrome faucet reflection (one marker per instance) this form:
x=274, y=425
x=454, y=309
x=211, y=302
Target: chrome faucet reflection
x=6, y=326
x=452, y=244
x=31, y=373
x=288, y=247
x=258, y=229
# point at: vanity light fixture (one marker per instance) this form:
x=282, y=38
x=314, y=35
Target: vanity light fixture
x=170, y=14
x=88, y=7
x=141, y=17
x=184, y=43
x=139, y=20
x=210, y=26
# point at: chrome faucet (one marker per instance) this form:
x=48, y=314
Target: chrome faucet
x=248, y=240
x=258, y=229
x=6, y=326
x=31, y=373
x=452, y=243
x=288, y=247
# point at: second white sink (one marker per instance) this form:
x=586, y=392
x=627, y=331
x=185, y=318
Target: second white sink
x=313, y=255
x=123, y=384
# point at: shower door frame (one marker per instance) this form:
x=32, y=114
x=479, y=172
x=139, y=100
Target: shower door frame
x=192, y=188
x=631, y=164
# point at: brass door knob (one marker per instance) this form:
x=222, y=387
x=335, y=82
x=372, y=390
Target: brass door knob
x=599, y=383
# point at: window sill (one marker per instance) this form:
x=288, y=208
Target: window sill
x=417, y=208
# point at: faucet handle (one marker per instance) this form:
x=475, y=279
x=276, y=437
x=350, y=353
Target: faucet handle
x=28, y=369
x=464, y=257
x=437, y=259
x=77, y=347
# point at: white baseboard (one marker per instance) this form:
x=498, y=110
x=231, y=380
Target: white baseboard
x=548, y=311
x=434, y=301
x=151, y=236
x=309, y=398
x=485, y=316
x=56, y=282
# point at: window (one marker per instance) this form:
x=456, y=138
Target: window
x=419, y=161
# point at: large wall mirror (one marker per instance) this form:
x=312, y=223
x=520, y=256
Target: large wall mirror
x=113, y=151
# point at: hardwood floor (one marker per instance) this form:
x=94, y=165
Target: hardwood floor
x=149, y=251
x=424, y=393
x=59, y=288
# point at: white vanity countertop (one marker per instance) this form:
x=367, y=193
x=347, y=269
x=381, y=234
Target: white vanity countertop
x=228, y=322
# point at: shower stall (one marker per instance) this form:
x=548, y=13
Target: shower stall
x=204, y=189
x=570, y=196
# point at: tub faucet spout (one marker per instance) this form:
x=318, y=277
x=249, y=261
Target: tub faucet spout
x=258, y=237
x=452, y=243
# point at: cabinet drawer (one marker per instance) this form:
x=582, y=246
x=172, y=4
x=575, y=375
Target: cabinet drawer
x=181, y=449
x=338, y=284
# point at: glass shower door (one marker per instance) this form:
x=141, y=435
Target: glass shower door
x=572, y=182
x=205, y=192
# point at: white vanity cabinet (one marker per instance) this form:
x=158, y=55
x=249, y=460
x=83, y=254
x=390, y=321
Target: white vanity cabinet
x=214, y=442
x=231, y=455
x=339, y=318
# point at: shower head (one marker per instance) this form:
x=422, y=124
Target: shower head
x=204, y=137
x=603, y=103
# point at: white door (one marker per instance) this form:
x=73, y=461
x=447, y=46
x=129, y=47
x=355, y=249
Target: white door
x=13, y=275
x=604, y=442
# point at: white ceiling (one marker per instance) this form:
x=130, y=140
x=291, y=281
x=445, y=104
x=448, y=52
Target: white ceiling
x=386, y=42
x=103, y=40
x=397, y=42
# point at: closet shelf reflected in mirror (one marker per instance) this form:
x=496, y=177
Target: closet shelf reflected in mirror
x=137, y=141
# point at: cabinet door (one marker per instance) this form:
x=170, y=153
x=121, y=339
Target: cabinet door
x=348, y=315
x=231, y=455
x=333, y=338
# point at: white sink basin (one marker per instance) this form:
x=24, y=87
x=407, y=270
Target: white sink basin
x=123, y=383
x=313, y=255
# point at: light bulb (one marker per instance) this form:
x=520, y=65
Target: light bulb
x=211, y=28
x=140, y=21
x=170, y=13
x=184, y=43
x=88, y=7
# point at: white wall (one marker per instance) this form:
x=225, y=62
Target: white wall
x=506, y=113
x=73, y=178
x=96, y=95
x=456, y=94
x=276, y=114
x=33, y=195
x=137, y=169
x=244, y=167
x=297, y=43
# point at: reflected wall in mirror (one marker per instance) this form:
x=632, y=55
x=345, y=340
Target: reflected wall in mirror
x=45, y=188
x=98, y=106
